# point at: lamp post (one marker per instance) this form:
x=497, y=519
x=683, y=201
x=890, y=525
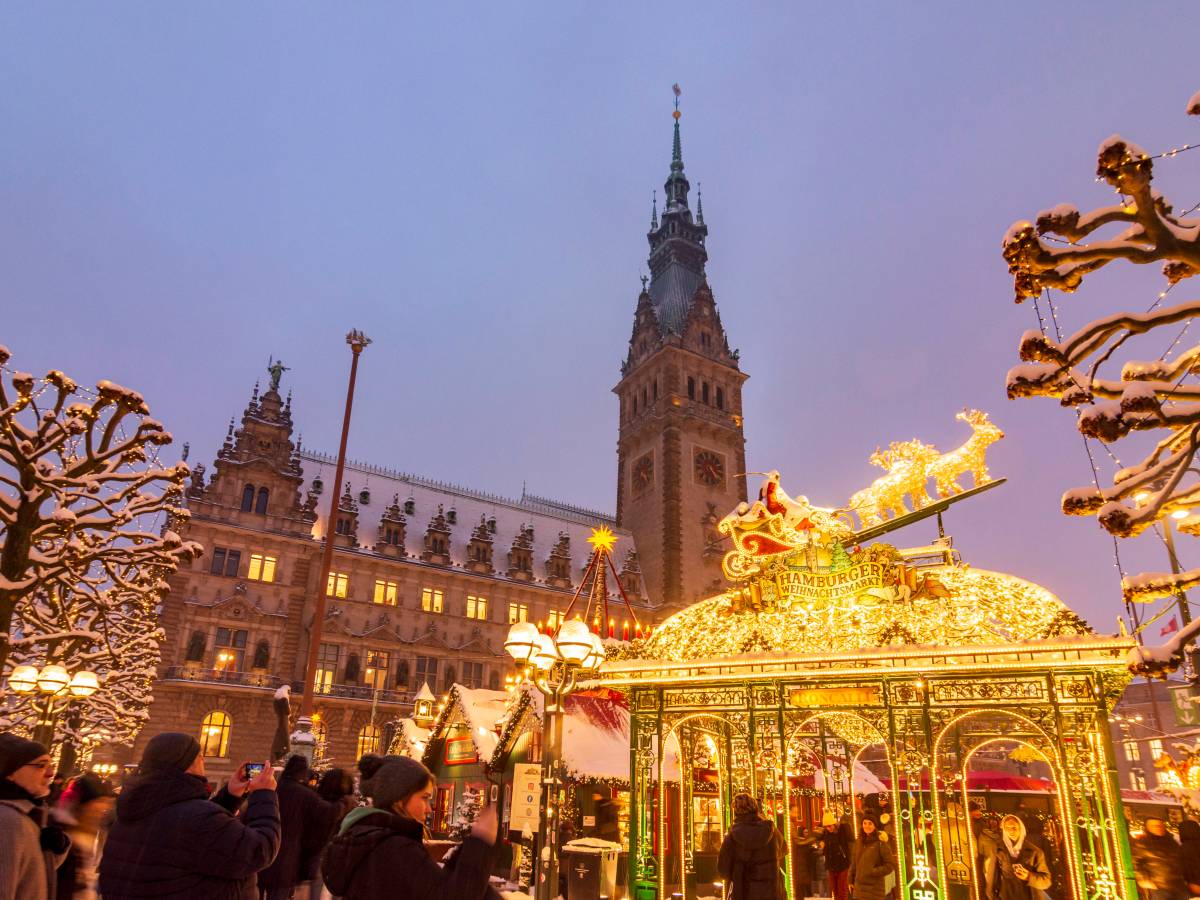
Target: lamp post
x=303, y=741
x=50, y=690
x=556, y=662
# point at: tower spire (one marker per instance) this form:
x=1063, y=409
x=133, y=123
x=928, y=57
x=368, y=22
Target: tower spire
x=654, y=211
x=699, y=206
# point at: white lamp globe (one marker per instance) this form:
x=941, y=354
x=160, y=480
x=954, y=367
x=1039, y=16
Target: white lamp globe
x=53, y=679
x=595, y=652
x=574, y=641
x=84, y=684
x=23, y=679
x=546, y=654
x=521, y=642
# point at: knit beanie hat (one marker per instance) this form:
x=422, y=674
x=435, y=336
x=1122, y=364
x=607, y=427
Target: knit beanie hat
x=171, y=750
x=744, y=805
x=16, y=752
x=386, y=780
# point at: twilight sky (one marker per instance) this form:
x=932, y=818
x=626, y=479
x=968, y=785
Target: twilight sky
x=186, y=189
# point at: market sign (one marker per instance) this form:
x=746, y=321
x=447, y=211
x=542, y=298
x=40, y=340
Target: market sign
x=1186, y=711
x=525, y=810
x=460, y=751
x=858, y=579
x=817, y=698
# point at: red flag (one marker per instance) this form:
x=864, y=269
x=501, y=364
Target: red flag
x=1170, y=628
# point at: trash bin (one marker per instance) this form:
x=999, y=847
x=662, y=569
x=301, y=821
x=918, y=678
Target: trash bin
x=590, y=868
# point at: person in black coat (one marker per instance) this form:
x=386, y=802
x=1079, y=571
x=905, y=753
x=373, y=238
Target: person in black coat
x=379, y=854
x=306, y=824
x=170, y=842
x=1189, y=843
x=752, y=854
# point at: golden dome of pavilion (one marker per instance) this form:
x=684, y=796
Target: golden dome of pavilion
x=947, y=605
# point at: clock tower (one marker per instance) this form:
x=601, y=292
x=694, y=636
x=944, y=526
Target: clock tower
x=681, y=453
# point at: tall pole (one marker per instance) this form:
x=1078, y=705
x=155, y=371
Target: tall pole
x=358, y=342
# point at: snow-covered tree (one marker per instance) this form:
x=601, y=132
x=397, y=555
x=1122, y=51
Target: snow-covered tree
x=88, y=538
x=1057, y=252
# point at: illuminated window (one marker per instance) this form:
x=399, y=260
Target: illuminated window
x=337, y=584
x=385, y=592
x=229, y=650
x=1137, y=779
x=327, y=662
x=517, y=612
x=431, y=600
x=262, y=568
x=476, y=607
x=553, y=619
x=376, y=674
x=225, y=562
x=368, y=741
x=1156, y=749
x=214, y=734
x=1130, y=749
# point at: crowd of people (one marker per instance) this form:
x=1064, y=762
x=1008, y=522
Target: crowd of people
x=168, y=836
x=1011, y=863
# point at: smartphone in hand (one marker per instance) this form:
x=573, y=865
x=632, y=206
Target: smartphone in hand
x=253, y=770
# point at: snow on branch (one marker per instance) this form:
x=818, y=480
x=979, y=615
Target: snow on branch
x=89, y=522
x=1115, y=398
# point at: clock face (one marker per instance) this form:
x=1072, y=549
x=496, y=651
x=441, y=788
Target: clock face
x=643, y=472
x=709, y=467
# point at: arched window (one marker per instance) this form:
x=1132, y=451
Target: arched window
x=195, y=647
x=214, y=734
x=368, y=741
x=248, y=498
x=691, y=388
x=260, y=505
x=720, y=398
x=262, y=655
x=704, y=393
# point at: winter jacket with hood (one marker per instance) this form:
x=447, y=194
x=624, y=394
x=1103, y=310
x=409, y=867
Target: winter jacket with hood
x=27, y=868
x=306, y=823
x=377, y=855
x=170, y=842
x=750, y=859
x=1007, y=886
x=871, y=860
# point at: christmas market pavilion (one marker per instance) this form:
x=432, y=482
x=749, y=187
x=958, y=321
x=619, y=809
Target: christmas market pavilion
x=834, y=667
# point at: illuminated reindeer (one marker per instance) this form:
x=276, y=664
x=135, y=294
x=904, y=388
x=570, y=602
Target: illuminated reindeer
x=907, y=471
x=970, y=457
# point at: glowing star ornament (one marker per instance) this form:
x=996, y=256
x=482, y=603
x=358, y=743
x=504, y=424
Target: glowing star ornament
x=602, y=539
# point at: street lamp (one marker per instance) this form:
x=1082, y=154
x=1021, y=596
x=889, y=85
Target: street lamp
x=556, y=662
x=57, y=688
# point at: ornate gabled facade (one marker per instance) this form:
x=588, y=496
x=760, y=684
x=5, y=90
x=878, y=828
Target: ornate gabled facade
x=680, y=451
x=416, y=594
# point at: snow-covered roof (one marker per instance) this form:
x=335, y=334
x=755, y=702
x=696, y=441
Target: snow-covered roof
x=410, y=740
x=478, y=710
x=547, y=517
x=425, y=693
